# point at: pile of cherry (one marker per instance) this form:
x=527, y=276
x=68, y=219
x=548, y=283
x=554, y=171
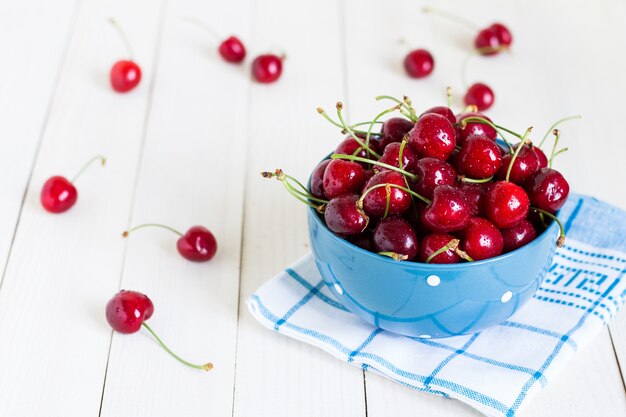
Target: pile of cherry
x=435, y=188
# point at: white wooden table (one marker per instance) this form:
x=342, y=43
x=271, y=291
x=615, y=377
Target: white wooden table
x=186, y=147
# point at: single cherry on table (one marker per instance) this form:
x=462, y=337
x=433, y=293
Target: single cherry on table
x=419, y=63
x=125, y=74
x=59, y=194
x=479, y=95
x=230, y=48
x=267, y=68
x=128, y=311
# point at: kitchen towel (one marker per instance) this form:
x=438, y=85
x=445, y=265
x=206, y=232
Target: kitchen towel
x=496, y=371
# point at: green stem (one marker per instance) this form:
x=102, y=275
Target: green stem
x=122, y=34
x=517, y=151
x=463, y=178
x=557, y=133
x=141, y=226
x=327, y=117
x=378, y=116
x=498, y=129
x=305, y=192
x=449, y=95
x=206, y=367
x=464, y=69
x=202, y=25
x=452, y=245
x=84, y=167
x=407, y=190
x=388, y=202
x=560, y=151
x=303, y=197
x=452, y=17
x=411, y=114
x=561, y=240
x=372, y=162
x=351, y=132
x=395, y=256
x=554, y=126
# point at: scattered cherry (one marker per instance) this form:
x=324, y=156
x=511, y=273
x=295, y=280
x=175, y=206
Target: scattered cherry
x=232, y=50
x=547, y=189
x=343, y=217
x=128, y=311
x=481, y=239
x=125, y=74
x=487, y=41
x=518, y=235
x=419, y=63
x=503, y=33
x=343, y=177
x=197, y=244
x=59, y=194
x=434, y=242
x=267, y=68
x=433, y=136
x=479, y=158
x=479, y=95
x=394, y=236
x=449, y=210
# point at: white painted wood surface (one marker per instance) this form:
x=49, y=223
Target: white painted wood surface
x=186, y=147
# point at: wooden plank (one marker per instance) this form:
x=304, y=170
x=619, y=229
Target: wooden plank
x=63, y=268
x=192, y=172
x=554, y=82
x=277, y=376
x=27, y=81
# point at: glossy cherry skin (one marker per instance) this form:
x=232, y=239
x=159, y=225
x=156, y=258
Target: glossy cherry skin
x=442, y=111
x=232, y=49
x=267, y=68
x=58, y=194
x=487, y=42
x=526, y=164
x=419, y=63
x=198, y=244
x=375, y=202
x=506, y=204
x=479, y=95
x=343, y=177
x=362, y=240
x=394, y=130
x=518, y=235
x=394, y=234
x=349, y=146
x=505, y=38
x=127, y=310
x=317, y=179
x=541, y=157
x=431, y=173
x=475, y=195
x=474, y=128
x=125, y=75
x=547, y=189
x=343, y=217
x=481, y=239
x=479, y=158
x=433, y=137
x=391, y=156
x=449, y=210
x=432, y=243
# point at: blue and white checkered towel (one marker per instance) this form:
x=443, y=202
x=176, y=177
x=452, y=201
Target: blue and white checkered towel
x=498, y=370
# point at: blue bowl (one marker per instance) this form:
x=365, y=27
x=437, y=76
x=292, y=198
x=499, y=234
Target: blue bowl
x=430, y=300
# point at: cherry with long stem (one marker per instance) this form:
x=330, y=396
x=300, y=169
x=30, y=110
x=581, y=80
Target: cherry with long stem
x=100, y=158
x=231, y=48
x=365, y=146
x=452, y=245
x=517, y=151
x=124, y=74
x=405, y=103
x=303, y=196
x=498, y=128
x=372, y=162
x=388, y=185
x=123, y=36
x=205, y=367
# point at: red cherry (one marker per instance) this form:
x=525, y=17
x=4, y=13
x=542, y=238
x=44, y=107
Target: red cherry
x=479, y=158
x=391, y=156
x=349, y=146
x=419, y=63
x=442, y=111
x=343, y=217
x=432, y=243
x=526, y=163
x=541, y=157
x=362, y=240
x=481, y=239
x=343, y=177
x=469, y=129
x=394, y=130
x=59, y=194
x=518, y=235
x=475, y=195
x=232, y=49
x=547, y=189
x=431, y=173
x=487, y=42
x=125, y=75
x=317, y=179
x=449, y=210
x=394, y=235
x=198, y=244
x=479, y=95
x=127, y=311
x=502, y=33
x=267, y=68
x=433, y=136
x=375, y=201
x=506, y=204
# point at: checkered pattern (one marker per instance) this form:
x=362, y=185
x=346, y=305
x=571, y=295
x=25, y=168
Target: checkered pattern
x=498, y=370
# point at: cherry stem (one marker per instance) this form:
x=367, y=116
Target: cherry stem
x=102, y=159
x=484, y=121
x=463, y=178
x=561, y=240
x=464, y=69
x=202, y=25
x=451, y=245
x=359, y=202
x=122, y=34
x=523, y=142
x=206, y=367
x=406, y=104
x=343, y=128
x=372, y=162
x=560, y=151
x=401, y=159
x=351, y=132
x=452, y=17
x=303, y=197
x=554, y=126
x=395, y=256
x=557, y=134
x=388, y=202
x=378, y=116
x=141, y=226
x=463, y=255
x=449, y=95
